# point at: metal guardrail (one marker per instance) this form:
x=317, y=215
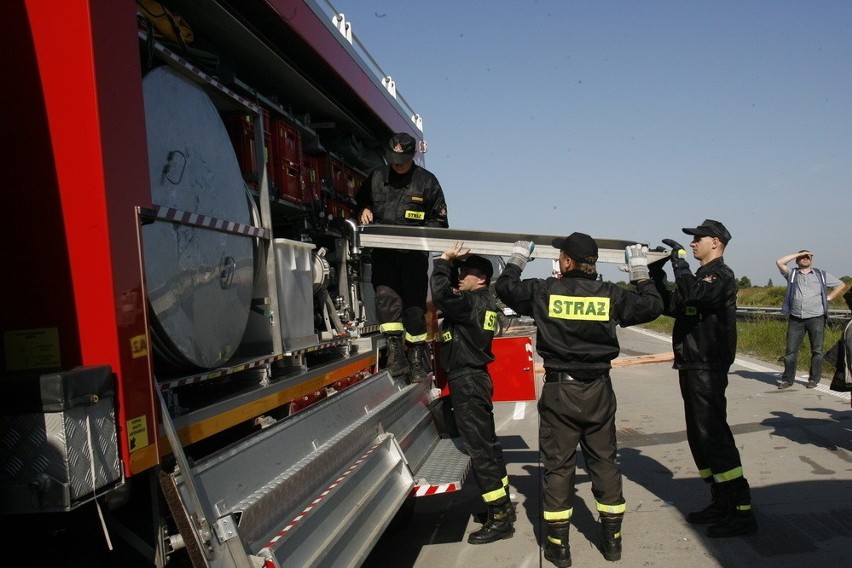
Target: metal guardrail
x=835, y=317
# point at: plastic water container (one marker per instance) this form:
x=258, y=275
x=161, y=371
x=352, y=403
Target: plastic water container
x=295, y=293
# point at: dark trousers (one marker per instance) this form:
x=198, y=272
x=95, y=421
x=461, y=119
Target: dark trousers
x=470, y=392
x=796, y=329
x=572, y=413
x=710, y=438
x=401, y=282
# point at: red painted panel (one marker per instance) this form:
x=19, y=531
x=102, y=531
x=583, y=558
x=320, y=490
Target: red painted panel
x=512, y=371
x=94, y=170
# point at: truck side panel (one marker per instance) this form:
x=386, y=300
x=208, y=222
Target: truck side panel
x=80, y=123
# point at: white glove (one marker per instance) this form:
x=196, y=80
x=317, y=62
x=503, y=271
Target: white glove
x=636, y=257
x=521, y=252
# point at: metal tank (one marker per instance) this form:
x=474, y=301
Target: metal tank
x=199, y=280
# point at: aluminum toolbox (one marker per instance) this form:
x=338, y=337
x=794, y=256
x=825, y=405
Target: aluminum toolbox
x=59, y=443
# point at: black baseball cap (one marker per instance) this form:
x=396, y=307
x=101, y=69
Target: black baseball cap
x=401, y=148
x=579, y=246
x=476, y=262
x=710, y=228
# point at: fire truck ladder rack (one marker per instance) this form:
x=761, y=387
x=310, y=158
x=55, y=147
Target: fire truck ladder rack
x=480, y=242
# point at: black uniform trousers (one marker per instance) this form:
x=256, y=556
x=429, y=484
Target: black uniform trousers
x=571, y=413
x=710, y=438
x=471, y=391
x=401, y=282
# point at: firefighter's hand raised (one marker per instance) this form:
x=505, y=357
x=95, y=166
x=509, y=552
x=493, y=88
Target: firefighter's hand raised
x=521, y=253
x=636, y=257
x=678, y=256
x=458, y=250
x=678, y=251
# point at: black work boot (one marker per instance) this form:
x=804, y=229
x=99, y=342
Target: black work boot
x=739, y=519
x=712, y=513
x=611, y=544
x=397, y=363
x=482, y=516
x=421, y=362
x=497, y=527
x=556, y=548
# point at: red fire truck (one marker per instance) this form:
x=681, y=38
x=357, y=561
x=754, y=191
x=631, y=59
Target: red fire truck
x=191, y=368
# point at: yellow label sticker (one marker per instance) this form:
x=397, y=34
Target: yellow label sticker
x=32, y=349
x=417, y=215
x=446, y=336
x=490, y=321
x=137, y=432
x=138, y=346
x=590, y=308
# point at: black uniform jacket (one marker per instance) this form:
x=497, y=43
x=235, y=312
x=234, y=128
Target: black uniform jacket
x=414, y=198
x=577, y=315
x=470, y=320
x=704, y=306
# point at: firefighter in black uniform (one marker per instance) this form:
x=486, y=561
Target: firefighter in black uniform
x=470, y=320
x=402, y=193
x=704, y=341
x=576, y=317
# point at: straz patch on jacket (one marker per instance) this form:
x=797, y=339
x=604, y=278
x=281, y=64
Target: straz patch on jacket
x=416, y=215
x=578, y=307
x=489, y=323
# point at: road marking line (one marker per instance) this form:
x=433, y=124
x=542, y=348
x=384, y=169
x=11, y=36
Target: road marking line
x=751, y=366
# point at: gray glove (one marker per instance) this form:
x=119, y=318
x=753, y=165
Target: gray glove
x=636, y=257
x=521, y=252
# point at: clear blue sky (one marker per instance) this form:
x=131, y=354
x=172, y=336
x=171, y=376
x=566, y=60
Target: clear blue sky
x=632, y=120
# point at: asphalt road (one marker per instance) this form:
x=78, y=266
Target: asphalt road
x=796, y=447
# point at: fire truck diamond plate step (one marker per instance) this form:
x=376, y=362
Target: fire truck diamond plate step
x=445, y=470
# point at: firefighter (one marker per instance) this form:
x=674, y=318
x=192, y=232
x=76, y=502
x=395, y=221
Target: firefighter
x=576, y=317
x=704, y=341
x=470, y=320
x=402, y=193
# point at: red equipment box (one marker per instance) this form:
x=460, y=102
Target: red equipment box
x=332, y=170
x=240, y=129
x=286, y=140
x=289, y=178
x=512, y=371
x=338, y=209
x=311, y=176
x=353, y=182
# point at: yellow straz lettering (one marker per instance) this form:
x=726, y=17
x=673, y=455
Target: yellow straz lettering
x=579, y=308
x=417, y=215
x=489, y=323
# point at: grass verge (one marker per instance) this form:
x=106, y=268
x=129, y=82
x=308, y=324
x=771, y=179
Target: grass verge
x=766, y=339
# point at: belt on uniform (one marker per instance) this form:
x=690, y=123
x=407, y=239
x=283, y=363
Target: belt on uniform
x=562, y=377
